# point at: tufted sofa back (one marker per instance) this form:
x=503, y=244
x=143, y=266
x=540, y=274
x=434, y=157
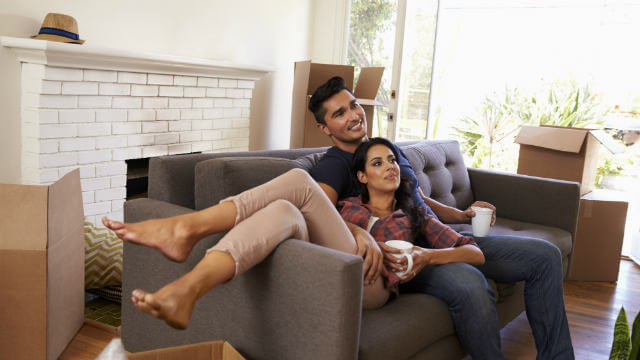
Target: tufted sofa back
x=438, y=165
x=441, y=172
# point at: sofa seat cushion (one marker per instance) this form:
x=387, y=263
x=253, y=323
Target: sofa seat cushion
x=403, y=327
x=558, y=237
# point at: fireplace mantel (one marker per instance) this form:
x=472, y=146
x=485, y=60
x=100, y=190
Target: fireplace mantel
x=89, y=56
x=95, y=108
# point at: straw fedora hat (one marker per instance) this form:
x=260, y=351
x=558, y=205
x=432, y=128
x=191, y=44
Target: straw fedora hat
x=59, y=27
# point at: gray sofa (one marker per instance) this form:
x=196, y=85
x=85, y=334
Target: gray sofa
x=304, y=301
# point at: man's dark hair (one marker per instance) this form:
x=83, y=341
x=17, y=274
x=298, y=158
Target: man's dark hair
x=322, y=93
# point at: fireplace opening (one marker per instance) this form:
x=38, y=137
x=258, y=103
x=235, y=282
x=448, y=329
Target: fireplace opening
x=137, y=178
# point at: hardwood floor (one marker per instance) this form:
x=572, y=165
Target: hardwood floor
x=89, y=342
x=592, y=308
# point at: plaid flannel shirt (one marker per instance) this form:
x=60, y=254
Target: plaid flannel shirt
x=396, y=226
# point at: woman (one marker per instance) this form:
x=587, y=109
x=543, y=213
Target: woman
x=289, y=206
x=387, y=209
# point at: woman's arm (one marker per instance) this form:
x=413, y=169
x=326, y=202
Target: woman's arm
x=469, y=254
x=422, y=257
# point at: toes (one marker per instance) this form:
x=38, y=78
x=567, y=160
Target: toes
x=138, y=295
x=112, y=224
x=152, y=302
x=143, y=307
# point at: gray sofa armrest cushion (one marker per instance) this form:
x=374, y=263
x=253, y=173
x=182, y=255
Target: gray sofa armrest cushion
x=217, y=179
x=530, y=199
x=144, y=209
x=259, y=312
x=171, y=178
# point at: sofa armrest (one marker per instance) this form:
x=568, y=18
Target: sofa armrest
x=144, y=209
x=526, y=198
x=302, y=301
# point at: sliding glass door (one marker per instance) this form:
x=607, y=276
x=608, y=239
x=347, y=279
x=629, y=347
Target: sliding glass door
x=399, y=35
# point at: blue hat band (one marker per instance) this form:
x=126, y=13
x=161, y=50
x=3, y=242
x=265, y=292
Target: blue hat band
x=52, y=31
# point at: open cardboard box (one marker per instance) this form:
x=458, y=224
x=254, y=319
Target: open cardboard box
x=211, y=350
x=41, y=268
x=562, y=153
x=307, y=78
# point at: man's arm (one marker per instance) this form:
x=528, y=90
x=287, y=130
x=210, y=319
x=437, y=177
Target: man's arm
x=366, y=244
x=446, y=214
x=332, y=194
x=451, y=215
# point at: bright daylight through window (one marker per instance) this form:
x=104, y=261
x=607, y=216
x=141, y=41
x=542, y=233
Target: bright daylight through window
x=501, y=64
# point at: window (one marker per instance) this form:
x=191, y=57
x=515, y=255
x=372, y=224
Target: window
x=399, y=35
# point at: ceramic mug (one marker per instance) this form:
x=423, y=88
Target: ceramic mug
x=406, y=247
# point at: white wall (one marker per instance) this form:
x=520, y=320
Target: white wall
x=330, y=28
x=274, y=33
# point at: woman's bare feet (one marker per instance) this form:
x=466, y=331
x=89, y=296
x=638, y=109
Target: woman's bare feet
x=171, y=236
x=173, y=304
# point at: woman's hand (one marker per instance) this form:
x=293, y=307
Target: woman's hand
x=391, y=262
x=371, y=254
x=469, y=213
x=421, y=258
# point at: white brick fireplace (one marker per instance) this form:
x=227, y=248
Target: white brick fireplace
x=93, y=108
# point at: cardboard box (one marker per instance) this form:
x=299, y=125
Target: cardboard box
x=598, y=243
x=307, y=78
x=211, y=350
x=41, y=268
x=562, y=153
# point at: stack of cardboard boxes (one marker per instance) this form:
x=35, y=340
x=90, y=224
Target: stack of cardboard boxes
x=572, y=154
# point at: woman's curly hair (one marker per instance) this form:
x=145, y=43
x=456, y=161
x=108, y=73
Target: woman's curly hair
x=403, y=194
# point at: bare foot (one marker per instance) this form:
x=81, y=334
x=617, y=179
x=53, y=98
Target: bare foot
x=171, y=236
x=173, y=304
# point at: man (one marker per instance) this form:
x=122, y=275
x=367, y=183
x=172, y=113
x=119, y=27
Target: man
x=463, y=287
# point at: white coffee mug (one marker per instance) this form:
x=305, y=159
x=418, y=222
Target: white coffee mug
x=406, y=247
x=482, y=221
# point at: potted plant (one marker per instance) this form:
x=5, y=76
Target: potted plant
x=625, y=347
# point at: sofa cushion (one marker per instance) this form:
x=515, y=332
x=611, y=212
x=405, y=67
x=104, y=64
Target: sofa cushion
x=560, y=238
x=103, y=257
x=307, y=162
x=441, y=172
x=384, y=333
x=422, y=312
x=217, y=179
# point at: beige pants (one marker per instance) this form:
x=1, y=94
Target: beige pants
x=290, y=206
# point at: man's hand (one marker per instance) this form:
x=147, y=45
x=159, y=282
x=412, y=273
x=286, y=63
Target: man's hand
x=370, y=252
x=469, y=213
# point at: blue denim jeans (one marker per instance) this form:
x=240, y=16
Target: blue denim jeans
x=471, y=299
